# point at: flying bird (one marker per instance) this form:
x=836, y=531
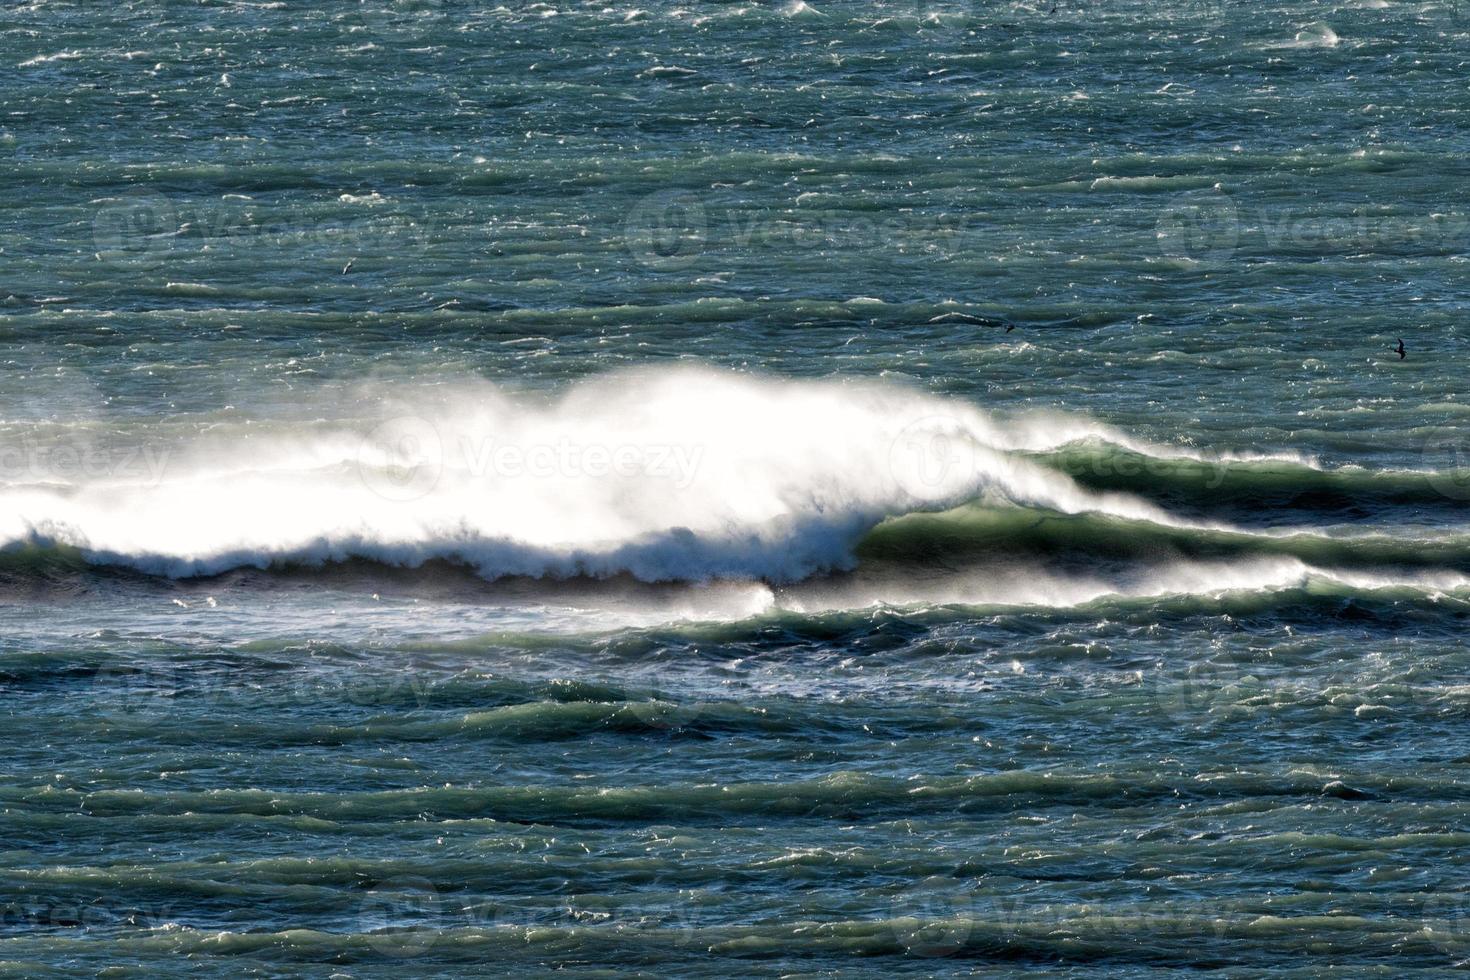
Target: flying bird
x=1399, y=350
x=348, y=267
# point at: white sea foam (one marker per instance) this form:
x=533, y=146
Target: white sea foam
x=669, y=474
x=1317, y=36
x=46, y=59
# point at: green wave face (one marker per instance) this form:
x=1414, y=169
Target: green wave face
x=1116, y=523
x=1257, y=488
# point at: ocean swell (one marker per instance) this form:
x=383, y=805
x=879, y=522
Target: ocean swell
x=679, y=474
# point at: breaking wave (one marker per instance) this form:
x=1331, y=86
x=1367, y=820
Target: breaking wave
x=690, y=475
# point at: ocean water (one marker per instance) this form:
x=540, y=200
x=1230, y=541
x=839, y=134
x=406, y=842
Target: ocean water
x=734, y=488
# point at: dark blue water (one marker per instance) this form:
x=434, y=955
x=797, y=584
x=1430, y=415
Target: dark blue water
x=734, y=488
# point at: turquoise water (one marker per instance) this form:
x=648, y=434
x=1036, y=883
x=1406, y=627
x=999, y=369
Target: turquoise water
x=486, y=491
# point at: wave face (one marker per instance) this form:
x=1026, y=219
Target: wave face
x=670, y=475
x=688, y=475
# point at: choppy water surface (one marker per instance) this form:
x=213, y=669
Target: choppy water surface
x=489, y=490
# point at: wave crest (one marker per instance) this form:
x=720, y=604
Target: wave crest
x=667, y=475
x=671, y=474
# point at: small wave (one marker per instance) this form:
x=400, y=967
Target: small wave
x=1318, y=36
x=1242, y=484
x=667, y=71
x=46, y=59
x=976, y=532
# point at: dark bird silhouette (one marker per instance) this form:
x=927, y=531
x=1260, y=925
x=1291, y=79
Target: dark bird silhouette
x=1399, y=350
x=1010, y=327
